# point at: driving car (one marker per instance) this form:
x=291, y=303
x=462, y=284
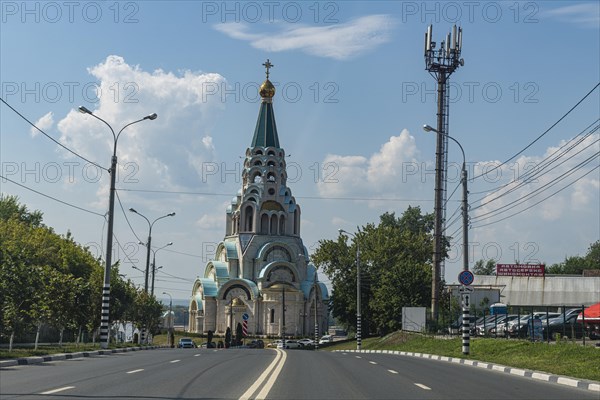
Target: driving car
x=306, y=342
x=289, y=344
x=326, y=339
x=186, y=343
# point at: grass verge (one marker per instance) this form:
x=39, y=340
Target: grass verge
x=560, y=359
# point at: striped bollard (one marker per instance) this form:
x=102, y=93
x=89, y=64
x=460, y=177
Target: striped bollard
x=104, y=320
x=466, y=326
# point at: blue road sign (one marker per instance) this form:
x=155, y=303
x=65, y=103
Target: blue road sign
x=466, y=278
x=245, y=316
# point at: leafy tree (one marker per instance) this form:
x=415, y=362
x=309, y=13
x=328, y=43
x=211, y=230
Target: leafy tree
x=239, y=334
x=228, y=337
x=395, y=263
x=10, y=208
x=485, y=268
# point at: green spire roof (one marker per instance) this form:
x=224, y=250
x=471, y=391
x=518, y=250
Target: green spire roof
x=265, y=133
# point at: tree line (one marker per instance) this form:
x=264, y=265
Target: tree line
x=47, y=279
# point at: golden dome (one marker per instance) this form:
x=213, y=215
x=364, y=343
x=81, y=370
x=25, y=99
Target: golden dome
x=267, y=90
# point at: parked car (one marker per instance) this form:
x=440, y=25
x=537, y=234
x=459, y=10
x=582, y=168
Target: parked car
x=306, y=342
x=569, y=327
x=186, y=343
x=207, y=345
x=455, y=328
x=485, y=328
x=256, y=344
x=274, y=343
x=326, y=339
x=500, y=329
x=289, y=344
x=520, y=328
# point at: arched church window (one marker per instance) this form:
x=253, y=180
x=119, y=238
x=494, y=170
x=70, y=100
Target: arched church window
x=258, y=162
x=271, y=177
x=249, y=218
x=277, y=253
x=272, y=316
x=271, y=163
x=271, y=153
x=264, y=224
x=274, y=224
x=282, y=225
x=257, y=178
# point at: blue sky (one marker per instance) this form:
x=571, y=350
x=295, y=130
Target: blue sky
x=352, y=96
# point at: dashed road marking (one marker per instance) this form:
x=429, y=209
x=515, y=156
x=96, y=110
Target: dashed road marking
x=175, y=361
x=135, y=370
x=422, y=386
x=58, y=390
x=392, y=371
x=358, y=356
x=196, y=355
x=373, y=362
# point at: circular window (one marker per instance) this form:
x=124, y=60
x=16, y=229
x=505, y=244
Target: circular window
x=272, y=192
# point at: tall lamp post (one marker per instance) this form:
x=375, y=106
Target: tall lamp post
x=104, y=319
x=149, y=243
x=358, y=316
x=465, y=214
x=154, y=265
x=170, y=319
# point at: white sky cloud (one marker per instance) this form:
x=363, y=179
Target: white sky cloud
x=167, y=153
x=340, y=41
x=44, y=123
x=586, y=14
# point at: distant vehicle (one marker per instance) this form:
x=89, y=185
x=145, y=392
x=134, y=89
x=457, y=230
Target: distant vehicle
x=326, y=339
x=289, y=344
x=207, y=345
x=186, y=343
x=274, y=343
x=256, y=344
x=306, y=342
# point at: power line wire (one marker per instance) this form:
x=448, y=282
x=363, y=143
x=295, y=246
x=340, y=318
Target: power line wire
x=50, y=137
x=52, y=198
x=548, y=159
x=533, y=205
x=540, y=136
x=125, y=215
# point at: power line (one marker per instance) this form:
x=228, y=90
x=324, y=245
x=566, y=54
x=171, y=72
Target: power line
x=51, y=138
x=568, y=143
x=182, y=253
x=534, y=176
x=52, y=198
x=543, y=134
x=125, y=215
x=533, y=205
x=541, y=188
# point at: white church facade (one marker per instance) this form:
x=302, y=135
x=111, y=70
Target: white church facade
x=261, y=270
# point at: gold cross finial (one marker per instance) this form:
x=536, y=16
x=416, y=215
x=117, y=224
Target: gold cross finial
x=268, y=66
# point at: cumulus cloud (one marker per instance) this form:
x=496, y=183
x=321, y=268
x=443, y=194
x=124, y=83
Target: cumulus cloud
x=166, y=153
x=44, y=123
x=340, y=41
x=383, y=173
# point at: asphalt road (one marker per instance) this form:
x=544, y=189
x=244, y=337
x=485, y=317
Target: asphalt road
x=271, y=374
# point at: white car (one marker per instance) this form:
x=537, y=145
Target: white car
x=306, y=342
x=326, y=339
x=289, y=344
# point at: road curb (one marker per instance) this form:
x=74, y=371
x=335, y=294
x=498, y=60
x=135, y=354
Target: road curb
x=542, y=376
x=69, y=356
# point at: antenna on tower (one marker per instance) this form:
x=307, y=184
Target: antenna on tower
x=441, y=63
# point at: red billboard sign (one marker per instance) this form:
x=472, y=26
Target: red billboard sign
x=520, y=269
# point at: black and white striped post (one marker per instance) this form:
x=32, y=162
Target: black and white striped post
x=466, y=323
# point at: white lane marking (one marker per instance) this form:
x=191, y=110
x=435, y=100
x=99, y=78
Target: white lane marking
x=422, y=386
x=248, y=393
x=373, y=362
x=265, y=390
x=174, y=361
x=392, y=371
x=358, y=356
x=345, y=354
x=58, y=390
x=196, y=355
x=135, y=370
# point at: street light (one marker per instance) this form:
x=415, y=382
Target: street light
x=154, y=269
x=465, y=211
x=465, y=306
x=149, y=243
x=104, y=319
x=358, y=322
x=170, y=319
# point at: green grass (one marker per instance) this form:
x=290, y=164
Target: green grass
x=54, y=349
x=567, y=359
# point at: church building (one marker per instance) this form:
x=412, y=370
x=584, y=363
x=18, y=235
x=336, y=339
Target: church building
x=261, y=271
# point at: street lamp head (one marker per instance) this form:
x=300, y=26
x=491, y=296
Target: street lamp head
x=171, y=214
x=170, y=244
x=84, y=110
x=133, y=210
x=341, y=230
x=151, y=117
x=428, y=128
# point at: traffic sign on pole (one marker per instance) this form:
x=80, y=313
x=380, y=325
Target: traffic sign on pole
x=466, y=277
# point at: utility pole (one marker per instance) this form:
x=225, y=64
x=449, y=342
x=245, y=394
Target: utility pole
x=441, y=63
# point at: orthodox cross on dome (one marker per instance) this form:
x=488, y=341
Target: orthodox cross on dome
x=268, y=66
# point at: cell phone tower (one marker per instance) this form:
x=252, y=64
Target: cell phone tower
x=441, y=63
